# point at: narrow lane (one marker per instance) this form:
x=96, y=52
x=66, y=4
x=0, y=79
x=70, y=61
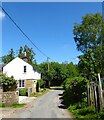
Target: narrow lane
x=47, y=106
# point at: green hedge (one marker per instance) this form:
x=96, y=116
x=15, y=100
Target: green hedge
x=23, y=92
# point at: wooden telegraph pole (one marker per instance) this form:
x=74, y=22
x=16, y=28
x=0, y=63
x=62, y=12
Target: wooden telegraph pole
x=48, y=71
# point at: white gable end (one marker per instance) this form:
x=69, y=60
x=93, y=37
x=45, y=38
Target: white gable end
x=16, y=68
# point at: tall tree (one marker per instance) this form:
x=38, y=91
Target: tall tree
x=88, y=33
x=89, y=39
x=29, y=53
x=9, y=57
x=87, y=65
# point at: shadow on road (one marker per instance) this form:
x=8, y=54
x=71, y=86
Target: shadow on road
x=56, y=88
x=61, y=106
x=60, y=94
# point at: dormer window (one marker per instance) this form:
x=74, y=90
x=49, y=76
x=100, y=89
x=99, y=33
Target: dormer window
x=24, y=69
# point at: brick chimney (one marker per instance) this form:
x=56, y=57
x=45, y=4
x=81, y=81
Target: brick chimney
x=25, y=58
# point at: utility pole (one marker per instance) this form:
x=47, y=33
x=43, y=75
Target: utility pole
x=48, y=63
x=48, y=71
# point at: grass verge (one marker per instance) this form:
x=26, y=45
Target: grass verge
x=13, y=105
x=40, y=93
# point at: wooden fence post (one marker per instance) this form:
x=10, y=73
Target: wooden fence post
x=98, y=98
x=95, y=96
x=88, y=95
x=101, y=91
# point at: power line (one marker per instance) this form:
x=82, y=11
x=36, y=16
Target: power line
x=24, y=33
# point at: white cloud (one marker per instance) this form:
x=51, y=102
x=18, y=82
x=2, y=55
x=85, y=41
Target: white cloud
x=1, y=14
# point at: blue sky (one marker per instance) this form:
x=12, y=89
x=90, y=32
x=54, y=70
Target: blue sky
x=49, y=25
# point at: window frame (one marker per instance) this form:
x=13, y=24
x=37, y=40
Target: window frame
x=25, y=69
x=21, y=83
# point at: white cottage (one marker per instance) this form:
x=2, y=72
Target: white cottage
x=22, y=71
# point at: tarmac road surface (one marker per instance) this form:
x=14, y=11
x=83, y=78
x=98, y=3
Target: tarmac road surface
x=46, y=106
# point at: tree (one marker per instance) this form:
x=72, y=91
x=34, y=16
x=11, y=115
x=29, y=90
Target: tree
x=99, y=57
x=21, y=53
x=89, y=39
x=72, y=70
x=57, y=73
x=46, y=75
x=29, y=53
x=87, y=65
x=9, y=57
x=88, y=33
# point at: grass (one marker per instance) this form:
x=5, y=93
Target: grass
x=13, y=105
x=18, y=105
x=86, y=112
x=40, y=93
x=56, y=87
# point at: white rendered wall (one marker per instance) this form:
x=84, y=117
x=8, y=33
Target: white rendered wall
x=16, y=69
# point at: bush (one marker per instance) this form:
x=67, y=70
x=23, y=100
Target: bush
x=75, y=89
x=8, y=83
x=87, y=110
x=80, y=110
x=23, y=92
x=77, y=106
x=101, y=115
x=41, y=83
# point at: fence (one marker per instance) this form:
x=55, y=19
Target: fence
x=95, y=95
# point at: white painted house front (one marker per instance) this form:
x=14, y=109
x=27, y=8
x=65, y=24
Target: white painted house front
x=23, y=72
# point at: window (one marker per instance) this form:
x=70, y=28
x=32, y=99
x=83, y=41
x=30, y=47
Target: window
x=21, y=83
x=24, y=69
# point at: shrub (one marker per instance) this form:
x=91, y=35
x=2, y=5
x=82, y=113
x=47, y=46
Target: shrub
x=80, y=110
x=75, y=89
x=77, y=106
x=101, y=115
x=41, y=83
x=8, y=83
x=23, y=92
x=86, y=110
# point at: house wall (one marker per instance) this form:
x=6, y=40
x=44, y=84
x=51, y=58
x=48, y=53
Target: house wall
x=31, y=84
x=16, y=68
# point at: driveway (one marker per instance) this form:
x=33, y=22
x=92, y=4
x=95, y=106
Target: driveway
x=25, y=99
x=46, y=106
